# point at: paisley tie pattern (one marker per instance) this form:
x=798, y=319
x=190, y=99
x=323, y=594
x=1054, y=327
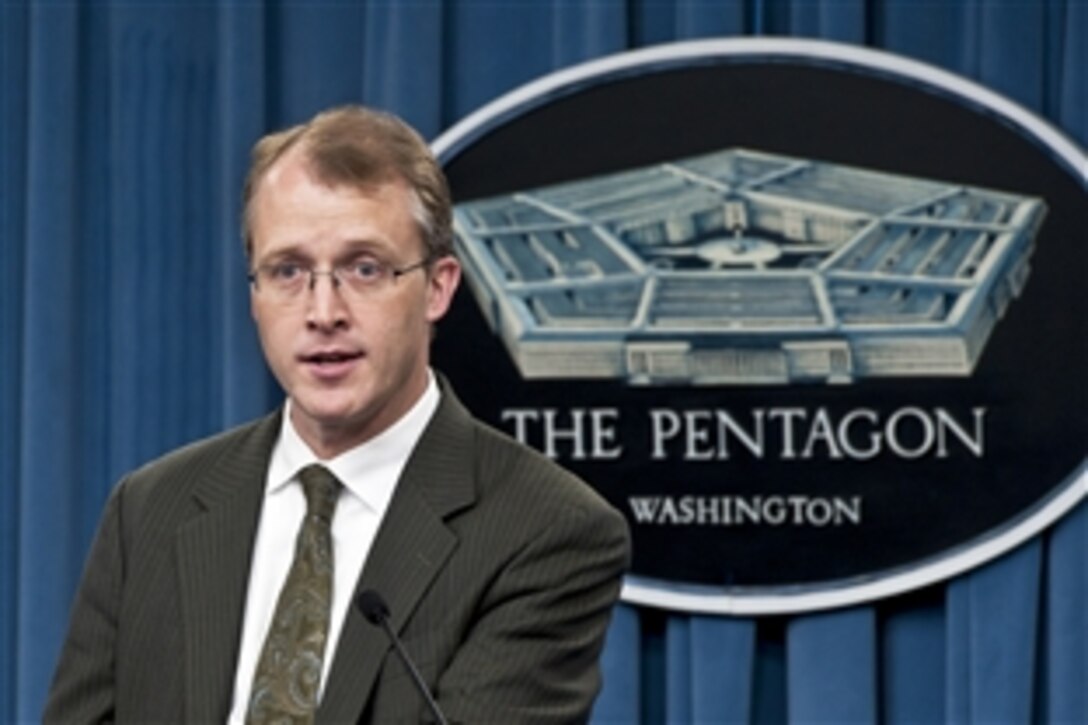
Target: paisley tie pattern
x=288, y=677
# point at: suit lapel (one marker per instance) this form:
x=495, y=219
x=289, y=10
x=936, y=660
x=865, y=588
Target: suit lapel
x=214, y=550
x=411, y=547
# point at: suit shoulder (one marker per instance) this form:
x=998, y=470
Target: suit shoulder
x=506, y=462
x=548, y=503
x=190, y=461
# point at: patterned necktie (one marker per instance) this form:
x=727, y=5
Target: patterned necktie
x=288, y=677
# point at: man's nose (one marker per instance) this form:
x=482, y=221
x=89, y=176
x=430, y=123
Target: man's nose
x=326, y=307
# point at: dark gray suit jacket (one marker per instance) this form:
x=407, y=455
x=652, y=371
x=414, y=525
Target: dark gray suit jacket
x=500, y=570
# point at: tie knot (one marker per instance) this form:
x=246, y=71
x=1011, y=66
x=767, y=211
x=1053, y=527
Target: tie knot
x=322, y=489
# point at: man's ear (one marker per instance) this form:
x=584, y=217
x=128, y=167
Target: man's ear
x=442, y=282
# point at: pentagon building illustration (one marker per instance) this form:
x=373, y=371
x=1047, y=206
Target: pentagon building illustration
x=746, y=267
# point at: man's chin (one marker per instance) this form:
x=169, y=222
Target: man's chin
x=326, y=415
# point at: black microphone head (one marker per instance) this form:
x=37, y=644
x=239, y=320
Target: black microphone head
x=372, y=606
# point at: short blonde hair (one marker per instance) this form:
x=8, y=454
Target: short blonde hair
x=360, y=147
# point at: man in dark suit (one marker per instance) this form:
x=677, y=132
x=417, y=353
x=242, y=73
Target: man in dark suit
x=220, y=585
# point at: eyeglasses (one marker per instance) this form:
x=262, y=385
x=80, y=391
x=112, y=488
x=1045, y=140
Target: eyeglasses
x=287, y=280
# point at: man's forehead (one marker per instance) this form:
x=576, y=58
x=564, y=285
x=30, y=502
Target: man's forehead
x=305, y=225
x=299, y=164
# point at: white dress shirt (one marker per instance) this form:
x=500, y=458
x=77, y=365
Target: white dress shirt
x=369, y=473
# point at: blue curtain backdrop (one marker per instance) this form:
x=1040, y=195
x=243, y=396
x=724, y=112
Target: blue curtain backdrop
x=124, y=135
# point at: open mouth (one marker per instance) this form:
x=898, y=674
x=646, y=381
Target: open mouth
x=331, y=365
x=330, y=358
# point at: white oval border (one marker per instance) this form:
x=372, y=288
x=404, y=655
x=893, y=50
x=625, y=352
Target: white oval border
x=791, y=600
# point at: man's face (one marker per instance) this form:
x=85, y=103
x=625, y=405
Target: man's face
x=352, y=363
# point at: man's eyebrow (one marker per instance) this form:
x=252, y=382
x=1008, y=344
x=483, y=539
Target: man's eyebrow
x=356, y=247
x=351, y=248
x=287, y=252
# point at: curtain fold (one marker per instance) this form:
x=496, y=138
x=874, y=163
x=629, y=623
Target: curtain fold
x=832, y=667
x=1069, y=77
x=621, y=669
x=50, y=404
x=1064, y=698
x=678, y=669
x=13, y=121
x=241, y=54
x=912, y=660
x=125, y=130
x=722, y=672
x=409, y=37
x=991, y=627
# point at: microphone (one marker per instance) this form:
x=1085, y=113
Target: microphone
x=374, y=608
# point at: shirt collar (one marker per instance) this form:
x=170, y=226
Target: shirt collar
x=379, y=459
